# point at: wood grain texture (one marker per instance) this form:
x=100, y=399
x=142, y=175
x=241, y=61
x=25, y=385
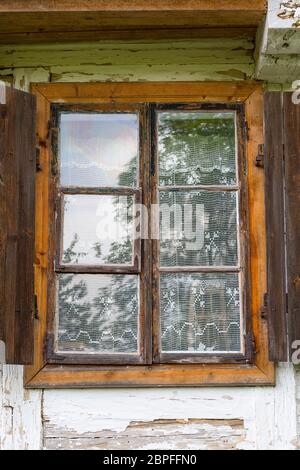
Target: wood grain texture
x=39, y=21
x=274, y=177
x=153, y=34
x=262, y=371
x=17, y=226
x=292, y=175
x=269, y=413
x=41, y=235
x=131, y=5
x=188, y=434
x=158, y=92
x=257, y=228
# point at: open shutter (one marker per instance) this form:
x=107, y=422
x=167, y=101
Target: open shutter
x=282, y=171
x=17, y=202
x=274, y=177
x=291, y=114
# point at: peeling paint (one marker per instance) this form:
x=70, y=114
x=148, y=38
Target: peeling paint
x=208, y=59
x=290, y=9
x=193, y=418
x=159, y=434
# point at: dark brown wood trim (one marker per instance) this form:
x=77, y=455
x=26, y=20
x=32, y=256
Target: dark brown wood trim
x=291, y=140
x=274, y=183
x=17, y=224
x=120, y=191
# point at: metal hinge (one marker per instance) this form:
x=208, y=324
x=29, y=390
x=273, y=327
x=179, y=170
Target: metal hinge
x=246, y=130
x=53, y=133
x=54, y=150
x=38, y=159
x=36, y=311
x=260, y=158
x=265, y=308
x=250, y=346
x=3, y=111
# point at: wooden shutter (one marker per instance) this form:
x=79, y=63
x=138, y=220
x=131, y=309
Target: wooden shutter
x=282, y=170
x=291, y=114
x=17, y=202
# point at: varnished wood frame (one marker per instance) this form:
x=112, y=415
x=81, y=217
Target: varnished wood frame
x=246, y=355
x=57, y=193
x=261, y=372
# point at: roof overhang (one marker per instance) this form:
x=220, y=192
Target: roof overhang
x=70, y=20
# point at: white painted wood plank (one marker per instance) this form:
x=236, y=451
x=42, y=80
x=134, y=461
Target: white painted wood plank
x=21, y=412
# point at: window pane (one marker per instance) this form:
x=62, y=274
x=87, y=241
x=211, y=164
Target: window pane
x=98, y=230
x=198, y=228
x=99, y=149
x=200, y=313
x=98, y=313
x=196, y=148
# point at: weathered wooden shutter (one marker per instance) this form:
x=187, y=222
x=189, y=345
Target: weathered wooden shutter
x=17, y=202
x=282, y=170
x=292, y=177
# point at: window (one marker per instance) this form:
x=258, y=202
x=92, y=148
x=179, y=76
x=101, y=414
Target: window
x=196, y=266
x=152, y=244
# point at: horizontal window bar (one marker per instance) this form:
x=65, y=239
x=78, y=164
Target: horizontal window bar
x=200, y=269
x=199, y=187
x=101, y=191
x=109, y=269
x=210, y=357
x=74, y=358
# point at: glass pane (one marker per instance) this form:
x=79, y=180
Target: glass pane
x=197, y=148
x=98, y=313
x=98, y=230
x=198, y=228
x=200, y=313
x=99, y=149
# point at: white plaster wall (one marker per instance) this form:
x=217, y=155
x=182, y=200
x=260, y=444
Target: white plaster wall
x=269, y=414
x=29, y=418
x=298, y=402
x=278, y=45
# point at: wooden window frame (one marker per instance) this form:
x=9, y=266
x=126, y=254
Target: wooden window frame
x=140, y=250
x=242, y=270
x=260, y=371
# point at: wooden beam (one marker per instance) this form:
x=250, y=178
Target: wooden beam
x=131, y=5
x=41, y=21
x=127, y=35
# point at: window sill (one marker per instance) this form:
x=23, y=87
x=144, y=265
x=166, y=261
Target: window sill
x=152, y=376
